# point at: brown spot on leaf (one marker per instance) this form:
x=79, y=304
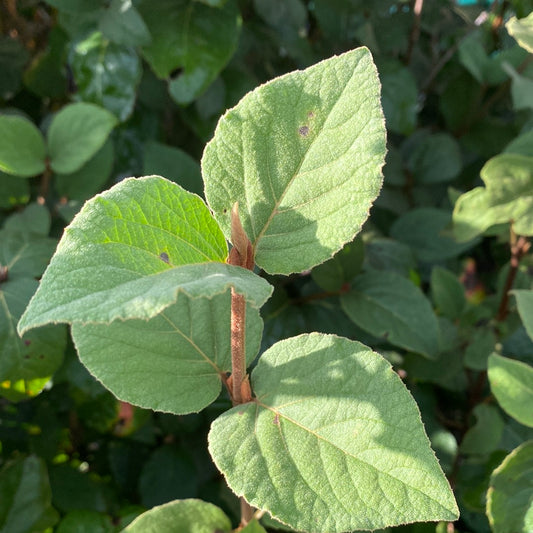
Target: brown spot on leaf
x=276, y=419
x=27, y=342
x=303, y=131
x=310, y=114
x=164, y=257
x=41, y=356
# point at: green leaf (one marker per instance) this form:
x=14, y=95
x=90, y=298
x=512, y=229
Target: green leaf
x=522, y=31
x=399, y=98
x=127, y=239
x=434, y=158
x=511, y=382
x=392, y=307
x=84, y=521
x=85, y=182
x=25, y=497
x=75, y=6
x=38, y=354
x=13, y=59
x=524, y=301
x=509, y=503
x=25, y=254
x=33, y=219
x=448, y=293
x=507, y=197
x=13, y=191
x=173, y=362
x=76, y=133
x=174, y=164
x=192, y=38
x=185, y=516
x=341, y=268
x=121, y=23
x=106, y=74
x=481, y=344
x=169, y=474
x=424, y=229
x=485, y=435
x=321, y=447
x=302, y=155
x=22, y=150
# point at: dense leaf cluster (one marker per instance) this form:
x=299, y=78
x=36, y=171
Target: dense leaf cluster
x=437, y=284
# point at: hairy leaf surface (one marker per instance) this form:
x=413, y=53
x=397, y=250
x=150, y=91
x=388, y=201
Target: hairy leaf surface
x=332, y=442
x=302, y=155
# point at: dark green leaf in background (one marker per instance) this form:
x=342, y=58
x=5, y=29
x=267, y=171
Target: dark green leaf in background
x=13, y=58
x=13, y=191
x=85, y=521
x=25, y=497
x=121, y=23
x=174, y=164
x=524, y=300
x=511, y=382
x=509, y=502
x=393, y=308
x=447, y=292
x=191, y=43
x=426, y=230
x=88, y=180
x=485, y=435
x=22, y=150
x=106, y=74
x=76, y=133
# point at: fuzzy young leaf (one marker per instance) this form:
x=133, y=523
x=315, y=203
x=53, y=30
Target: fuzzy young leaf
x=512, y=383
x=76, y=133
x=390, y=306
x=302, y=155
x=22, y=150
x=120, y=243
x=507, y=197
x=522, y=31
x=509, y=503
x=333, y=441
x=185, y=516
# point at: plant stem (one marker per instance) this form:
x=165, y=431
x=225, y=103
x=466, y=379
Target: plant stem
x=519, y=247
x=241, y=255
x=415, y=30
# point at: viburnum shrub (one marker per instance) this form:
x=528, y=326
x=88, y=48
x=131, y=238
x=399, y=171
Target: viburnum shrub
x=323, y=435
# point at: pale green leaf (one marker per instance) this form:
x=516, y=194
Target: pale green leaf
x=191, y=43
x=522, y=31
x=76, y=133
x=511, y=382
x=507, y=197
x=173, y=362
x=185, y=516
x=122, y=242
x=302, y=155
x=524, y=301
x=509, y=501
x=254, y=527
x=22, y=150
x=393, y=308
x=25, y=497
x=332, y=442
